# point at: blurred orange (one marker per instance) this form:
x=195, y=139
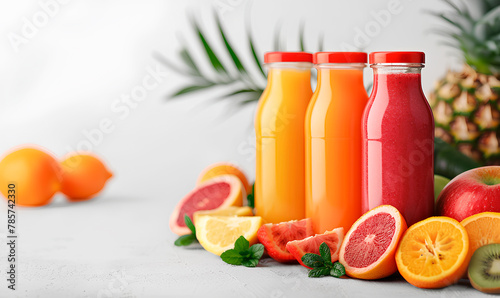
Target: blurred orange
x=35, y=173
x=83, y=176
x=224, y=168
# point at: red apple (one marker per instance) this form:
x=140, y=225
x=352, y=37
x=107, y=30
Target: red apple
x=472, y=192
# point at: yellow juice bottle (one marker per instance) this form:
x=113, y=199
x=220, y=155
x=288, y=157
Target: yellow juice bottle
x=279, y=128
x=333, y=141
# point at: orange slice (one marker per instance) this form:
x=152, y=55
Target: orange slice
x=482, y=228
x=433, y=253
x=368, y=249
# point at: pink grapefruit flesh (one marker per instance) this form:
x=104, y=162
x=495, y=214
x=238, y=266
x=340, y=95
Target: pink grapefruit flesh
x=333, y=238
x=219, y=192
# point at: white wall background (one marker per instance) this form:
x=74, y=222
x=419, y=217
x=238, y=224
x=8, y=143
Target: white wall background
x=65, y=78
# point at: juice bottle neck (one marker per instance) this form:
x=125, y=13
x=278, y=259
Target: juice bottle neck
x=345, y=76
x=289, y=74
x=386, y=76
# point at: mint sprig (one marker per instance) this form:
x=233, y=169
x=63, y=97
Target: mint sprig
x=186, y=240
x=322, y=264
x=243, y=253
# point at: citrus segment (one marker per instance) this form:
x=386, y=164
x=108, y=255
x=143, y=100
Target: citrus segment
x=224, y=168
x=275, y=237
x=333, y=238
x=218, y=233
x=219, y=192
x=433, y=252
x=368, y=249
x=227, y=211
x=482, y=228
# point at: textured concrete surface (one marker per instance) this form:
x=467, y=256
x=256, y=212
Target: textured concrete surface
x=122, y=247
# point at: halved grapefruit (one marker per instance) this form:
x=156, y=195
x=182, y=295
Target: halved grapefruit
x=219, y=192
x=370, y=245
x=333, y=238
x=224, y=168
x=274, y=237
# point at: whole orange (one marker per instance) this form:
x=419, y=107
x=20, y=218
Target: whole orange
x=34, y=174
x=83, y=176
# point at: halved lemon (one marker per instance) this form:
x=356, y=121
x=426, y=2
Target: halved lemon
x=218, y=233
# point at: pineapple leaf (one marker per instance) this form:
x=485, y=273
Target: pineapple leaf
x=216, y=64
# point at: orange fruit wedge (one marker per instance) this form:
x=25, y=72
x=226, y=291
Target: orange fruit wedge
x=433, y=253
x=482, y=228
x=368, y=249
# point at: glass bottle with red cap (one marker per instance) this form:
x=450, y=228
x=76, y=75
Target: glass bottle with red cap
x=279, y=128
x=333, y=141
x=398, y=138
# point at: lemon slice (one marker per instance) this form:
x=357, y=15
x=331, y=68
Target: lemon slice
x=218, y=233
x=228, y=211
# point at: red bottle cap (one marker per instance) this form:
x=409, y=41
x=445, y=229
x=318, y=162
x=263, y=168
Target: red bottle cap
x=340, y=57
x=397, y=57
x=272, y=57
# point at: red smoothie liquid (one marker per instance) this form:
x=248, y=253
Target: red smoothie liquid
x=398, y=141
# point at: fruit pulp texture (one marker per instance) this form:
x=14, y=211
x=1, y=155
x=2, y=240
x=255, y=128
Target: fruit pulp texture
x=370, y=240
x=217, y=192
x=280, y=156
x=398, y=146
x=333, y=149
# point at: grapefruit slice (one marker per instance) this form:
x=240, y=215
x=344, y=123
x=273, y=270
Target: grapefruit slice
x=274, y=237
x=333, y=238
x=433, y=253
x=219, y=192
x=224, y=168
x=369, y=247
x=219, y=233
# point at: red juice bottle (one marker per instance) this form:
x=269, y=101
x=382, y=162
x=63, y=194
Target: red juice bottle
x=398, y=138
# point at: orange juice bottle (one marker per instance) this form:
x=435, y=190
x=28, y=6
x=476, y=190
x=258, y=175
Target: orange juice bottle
x=333, y=141
x=279, y=128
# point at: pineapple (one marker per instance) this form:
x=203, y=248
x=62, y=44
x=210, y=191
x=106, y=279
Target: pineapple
x=466, y=104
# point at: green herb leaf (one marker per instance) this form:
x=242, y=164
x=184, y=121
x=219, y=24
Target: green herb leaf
x=338, y=270
x=185, y=240
x=250, y=262
x=324, y=250
x=251, y=197
x=189, y=224
x=317, y=272
x=232, y=257
x=241, y=244
x=313, y=260
x=256, y=251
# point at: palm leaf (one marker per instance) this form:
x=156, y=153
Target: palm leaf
x=255, y=56
x=217, y=65
x=301, y=37
x=191, y=88
x=188, y=60
x=277, y=42
x=234, y=57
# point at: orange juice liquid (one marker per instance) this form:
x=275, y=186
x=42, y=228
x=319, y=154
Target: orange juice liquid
x=279, y=127
x=333, y=148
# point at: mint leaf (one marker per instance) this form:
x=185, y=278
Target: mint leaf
x=241, y=244
x=313, y=260
x=338, y=270
x=256, y=251
x=324, y=250
x=250, y=262
x=232, y=257
x=317, y=272
x=251, y=197
x=189, y=223
x=185, y=240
